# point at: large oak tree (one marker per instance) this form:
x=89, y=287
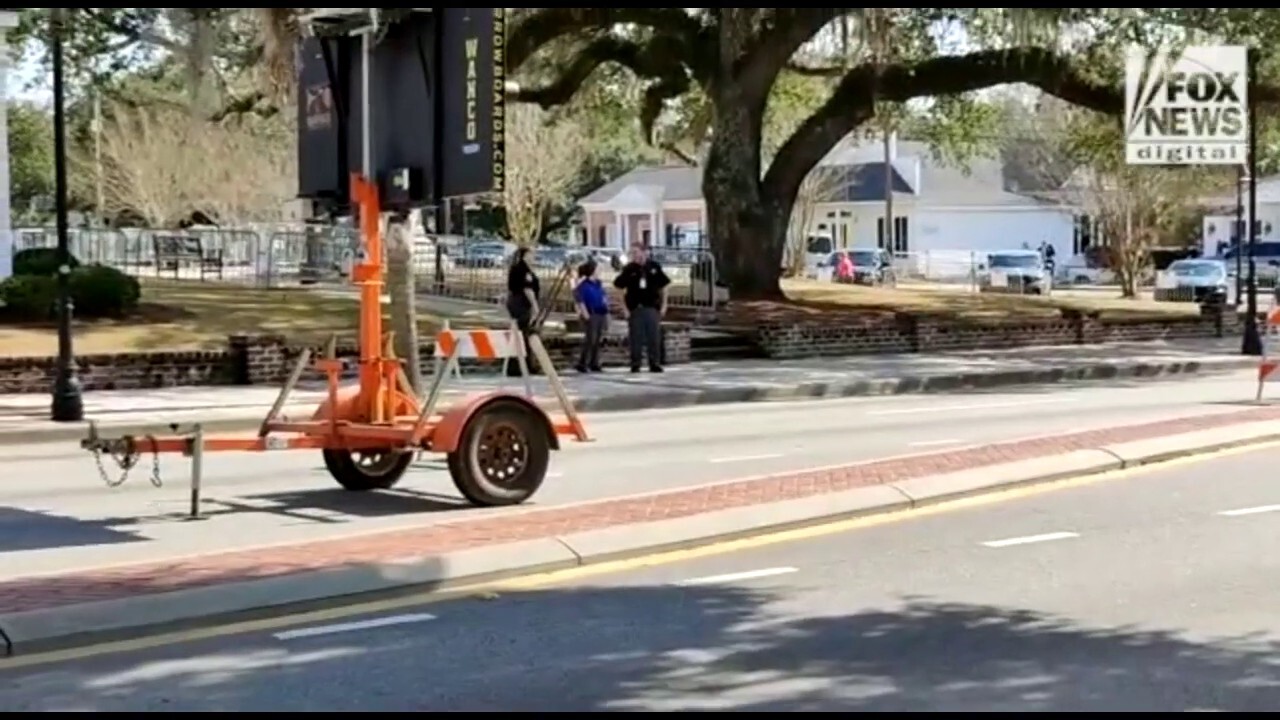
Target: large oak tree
x=734, y=56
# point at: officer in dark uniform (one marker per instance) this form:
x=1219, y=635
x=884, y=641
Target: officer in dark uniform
x=523, y=290
x=645, y=301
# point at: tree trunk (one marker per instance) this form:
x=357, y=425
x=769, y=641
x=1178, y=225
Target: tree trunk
x=404, y=311
x=748, y=230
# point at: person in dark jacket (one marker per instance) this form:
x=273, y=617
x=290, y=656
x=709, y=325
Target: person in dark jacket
x=645, y=299
x=523, y=291
x=592, y=301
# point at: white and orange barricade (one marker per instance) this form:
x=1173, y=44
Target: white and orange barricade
x=481, y=345
x=493, y=345
x=1268, y=366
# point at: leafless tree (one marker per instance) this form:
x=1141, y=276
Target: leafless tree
x=817, y=188
x=146, y=163
x=163, y=165
x=543, y=156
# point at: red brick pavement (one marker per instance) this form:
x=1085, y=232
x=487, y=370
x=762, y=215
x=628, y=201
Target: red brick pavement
x=160, y=577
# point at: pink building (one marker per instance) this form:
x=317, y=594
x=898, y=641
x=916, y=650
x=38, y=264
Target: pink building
x=660, y=206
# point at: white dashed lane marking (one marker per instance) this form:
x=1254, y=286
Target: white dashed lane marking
x=1029, y=539
x=738, y=576
x=356, y=625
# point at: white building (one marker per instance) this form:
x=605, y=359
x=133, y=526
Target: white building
x=937, y=209
x=8, y=21
x=1219, y=227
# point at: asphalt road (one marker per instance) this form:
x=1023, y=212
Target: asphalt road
x=56, y=514
x=1154, y=591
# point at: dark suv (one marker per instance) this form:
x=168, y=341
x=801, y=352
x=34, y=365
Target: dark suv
x=872, y=267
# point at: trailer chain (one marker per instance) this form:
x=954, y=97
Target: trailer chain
x=126, y=460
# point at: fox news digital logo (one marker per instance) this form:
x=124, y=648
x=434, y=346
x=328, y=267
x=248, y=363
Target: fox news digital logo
x=1189, y=108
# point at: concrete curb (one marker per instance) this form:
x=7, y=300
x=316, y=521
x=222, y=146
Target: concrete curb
x=677, y=398
x=57, y=628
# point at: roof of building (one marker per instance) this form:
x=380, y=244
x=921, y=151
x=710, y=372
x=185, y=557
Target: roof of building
x=674, y=182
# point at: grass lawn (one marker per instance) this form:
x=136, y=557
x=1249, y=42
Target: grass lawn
x=964, y=305
x=193, y=315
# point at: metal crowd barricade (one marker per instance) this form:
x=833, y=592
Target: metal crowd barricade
x=695, y=278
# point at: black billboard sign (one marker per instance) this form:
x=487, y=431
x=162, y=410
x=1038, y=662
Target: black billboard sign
x=319, y=144
x=472, y=47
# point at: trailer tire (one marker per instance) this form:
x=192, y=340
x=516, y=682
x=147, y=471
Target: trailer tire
x=503, y=455
x=362, y=471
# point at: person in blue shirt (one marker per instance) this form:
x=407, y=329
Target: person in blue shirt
x=592, y=302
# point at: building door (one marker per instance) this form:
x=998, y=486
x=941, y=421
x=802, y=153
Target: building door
x=841, y=225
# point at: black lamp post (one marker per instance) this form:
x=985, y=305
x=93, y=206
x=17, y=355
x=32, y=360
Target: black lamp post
x=68, y=404
x=1251, y=344
x=1239, y=235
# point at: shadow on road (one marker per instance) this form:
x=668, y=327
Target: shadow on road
x=665, y=649
x=23, y=530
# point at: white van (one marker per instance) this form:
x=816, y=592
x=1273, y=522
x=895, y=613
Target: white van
x=817, y=248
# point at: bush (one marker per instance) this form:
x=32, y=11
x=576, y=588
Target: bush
x=99, y=291
x=29, y=298
x=39, y=261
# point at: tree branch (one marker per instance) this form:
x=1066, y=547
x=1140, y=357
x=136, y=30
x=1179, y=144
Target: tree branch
x=772, y=45
x=852, y=103
x=133, y=31
x=679, y=154
x=812, y=71
x=656, y=59
x=534, y=30
x=661, y=59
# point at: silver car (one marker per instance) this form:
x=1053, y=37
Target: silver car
x=1193, y=280
x=1014, y=271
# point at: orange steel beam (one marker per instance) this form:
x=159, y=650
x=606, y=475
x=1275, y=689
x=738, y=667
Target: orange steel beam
x=369, y=276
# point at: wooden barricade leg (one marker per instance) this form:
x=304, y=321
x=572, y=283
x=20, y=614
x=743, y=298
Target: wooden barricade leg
x=557, y=387
x=294, y=376
x=433, y=393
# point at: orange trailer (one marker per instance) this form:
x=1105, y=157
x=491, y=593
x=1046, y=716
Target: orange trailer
x=497, y=444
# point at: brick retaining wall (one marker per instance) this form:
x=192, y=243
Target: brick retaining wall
x=875, y=335
x=266, y=359
x=259, y=359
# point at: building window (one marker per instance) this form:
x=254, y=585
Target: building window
x=602, y=235
x=1082, y=234
x=901, y=237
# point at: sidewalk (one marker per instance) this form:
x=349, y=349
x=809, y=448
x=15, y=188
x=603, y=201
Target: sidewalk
x=23, y=417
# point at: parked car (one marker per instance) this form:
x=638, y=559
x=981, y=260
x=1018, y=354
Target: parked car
x=552, y=257
x=1014, y=271
x=871, y=266
x=1204, y=281
x=485, y=254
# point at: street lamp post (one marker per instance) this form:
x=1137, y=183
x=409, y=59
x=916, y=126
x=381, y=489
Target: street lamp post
x=1251, y=343
x=1239, y=235
x=68, y=403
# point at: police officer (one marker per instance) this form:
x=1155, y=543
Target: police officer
x=645, y=302
x=523, y=290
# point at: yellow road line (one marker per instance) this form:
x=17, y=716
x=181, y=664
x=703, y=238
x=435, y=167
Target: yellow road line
x=492, y=590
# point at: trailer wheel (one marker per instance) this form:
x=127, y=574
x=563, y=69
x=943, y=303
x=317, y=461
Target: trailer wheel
x=503, y=455
x=364, y=470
